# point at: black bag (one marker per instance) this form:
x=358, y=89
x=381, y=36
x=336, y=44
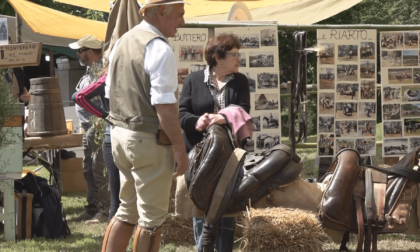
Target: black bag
x=52, y=221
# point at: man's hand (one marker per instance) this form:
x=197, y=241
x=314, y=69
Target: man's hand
x=216, y=119
x=202, y=122
x=182, y=162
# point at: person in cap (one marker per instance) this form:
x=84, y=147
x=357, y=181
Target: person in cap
x=89, y=51
x=146, y=135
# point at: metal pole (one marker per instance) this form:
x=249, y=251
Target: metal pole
x=18, y=28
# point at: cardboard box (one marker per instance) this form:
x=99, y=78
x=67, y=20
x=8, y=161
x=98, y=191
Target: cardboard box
x=72, y=175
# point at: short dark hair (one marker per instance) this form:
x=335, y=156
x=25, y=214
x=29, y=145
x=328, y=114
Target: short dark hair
x=219, y=45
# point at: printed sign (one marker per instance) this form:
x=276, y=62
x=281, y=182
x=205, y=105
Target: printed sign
x=18, y=55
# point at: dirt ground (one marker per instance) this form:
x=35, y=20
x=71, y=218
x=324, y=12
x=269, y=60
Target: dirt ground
x=392, y=100
x=410, y=63
x=347, y=58
x=413, y=46
x=329, y=111
x=327, y=84
x=339, y=115
x=363, y=115
x=340, y=97
x=351, y=134
x=385, y=63
x=344, y=77
x=396, y=81
x=370, y=75
x=411, y=133
x=392, y=135
x=329, y=60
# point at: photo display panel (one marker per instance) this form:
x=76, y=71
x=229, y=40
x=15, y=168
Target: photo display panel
x=188, y=46
x=400, y=92
x=260, y=63
x=346, y=91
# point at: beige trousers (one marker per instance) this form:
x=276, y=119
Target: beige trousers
x=146, y=170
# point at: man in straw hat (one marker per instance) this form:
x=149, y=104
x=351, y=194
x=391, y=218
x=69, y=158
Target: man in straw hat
x=144, y=114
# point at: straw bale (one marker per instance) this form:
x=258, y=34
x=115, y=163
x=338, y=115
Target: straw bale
x=171, y=208
x=281, y=229
x=177, y=229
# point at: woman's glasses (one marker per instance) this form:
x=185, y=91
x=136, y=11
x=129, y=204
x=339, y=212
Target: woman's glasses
x=236, y=54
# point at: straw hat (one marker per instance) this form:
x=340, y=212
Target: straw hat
x=88, y=41
x=151, y=3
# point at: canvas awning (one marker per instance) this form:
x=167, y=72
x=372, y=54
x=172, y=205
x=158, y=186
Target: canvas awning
x=50, y=22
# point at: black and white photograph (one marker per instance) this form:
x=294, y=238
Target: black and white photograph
x=197, y=67
x=392, y=129
x=395, y=147
x=348, y=53
x=270, y=120
x=3, y=32
x=391, y=111
x=346, y=110
x=251, y=76
x=400, y=75
x=366, y=128
x=261, y=59
x=267, y=141
x=410, y=110
x=366, y=146
x=391, y=59
x=344, y=143
x=256, y=123
x=326, y=124
x=326, y=103
x=346, y=128
x=191, y=53
x=410, y=93
x=347, y=91
x=268, y=80
x=410, y=58
x=266, y=101
x=326, y=145
x=326, y=78
x=268, y=37
x=182, y=74
x=414, y=143
x=367, y=69
x=326, y=53
x=367, y=90
x=416, y=75
x=392, y=40
x=367, y=110
x=249, y=41
x=411, y=40
x=412, y=127
x=392, y=94
x=242, y=63
x=367, y=50
x=347, y=72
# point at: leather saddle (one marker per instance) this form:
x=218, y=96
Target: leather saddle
x=369, y=200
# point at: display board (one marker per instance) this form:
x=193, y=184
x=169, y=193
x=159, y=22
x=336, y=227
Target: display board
x=346, y=91
x=400, y=92
x=260, y=63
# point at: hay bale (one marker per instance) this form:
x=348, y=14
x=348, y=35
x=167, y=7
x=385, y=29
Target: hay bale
x=177, y=229
x=171, y=208
x=281, y=229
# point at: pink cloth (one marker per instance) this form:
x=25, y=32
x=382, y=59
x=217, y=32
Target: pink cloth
x=240, y=123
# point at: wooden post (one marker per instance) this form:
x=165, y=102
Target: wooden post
x=52, y=69
x=18, y=28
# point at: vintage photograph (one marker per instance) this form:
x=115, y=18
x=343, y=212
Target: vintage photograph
x=348, y=53
x=367, y=50
x=392, y=94
x=366, y=146
x=4, y=38
x=347, y=128
x=416, y=75
x=410, y=110
x=270, y=120
x=182, y=74
x=256, y=123
x=367, y=90
x=400, y=75
x=326, y=53
x=392, y=128
x=395, y=147
x=192, y=53
x=266, y=101
x=414, y=143
x=344, y=144
x=196, y=67
x=326, y=78
x=367, y=110
x=249, y=40
x=410, y=93
x=326, y=145
x=366, y=128
x=268, y=80
x=261, y=59
x=391, y=111
x=347, y=72
x=268, y=37
x=267, y=141
x=326, y=124
x=251, y=80
x=326, y=103
x=346, y=110
x=410, y=58
x=412, y=127
x=242, y=63
x=367, y=69
x=392, y=40
x=391, y=59
x=411, y=40
x=347, y=91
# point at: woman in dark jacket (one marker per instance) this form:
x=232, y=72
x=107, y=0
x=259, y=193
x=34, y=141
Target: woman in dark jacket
x=205, y=93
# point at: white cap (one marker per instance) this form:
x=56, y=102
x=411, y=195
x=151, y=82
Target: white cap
x=88, y=41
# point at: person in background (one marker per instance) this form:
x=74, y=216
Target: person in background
x=89, y=50
x=205, y=93
x=144, y=114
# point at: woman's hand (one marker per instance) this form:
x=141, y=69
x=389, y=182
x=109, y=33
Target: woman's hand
x=216, y=119
x=202, y=123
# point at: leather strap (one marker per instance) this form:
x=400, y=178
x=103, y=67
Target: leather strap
x=403, y=171
x=375, y=240
x=360, y=224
